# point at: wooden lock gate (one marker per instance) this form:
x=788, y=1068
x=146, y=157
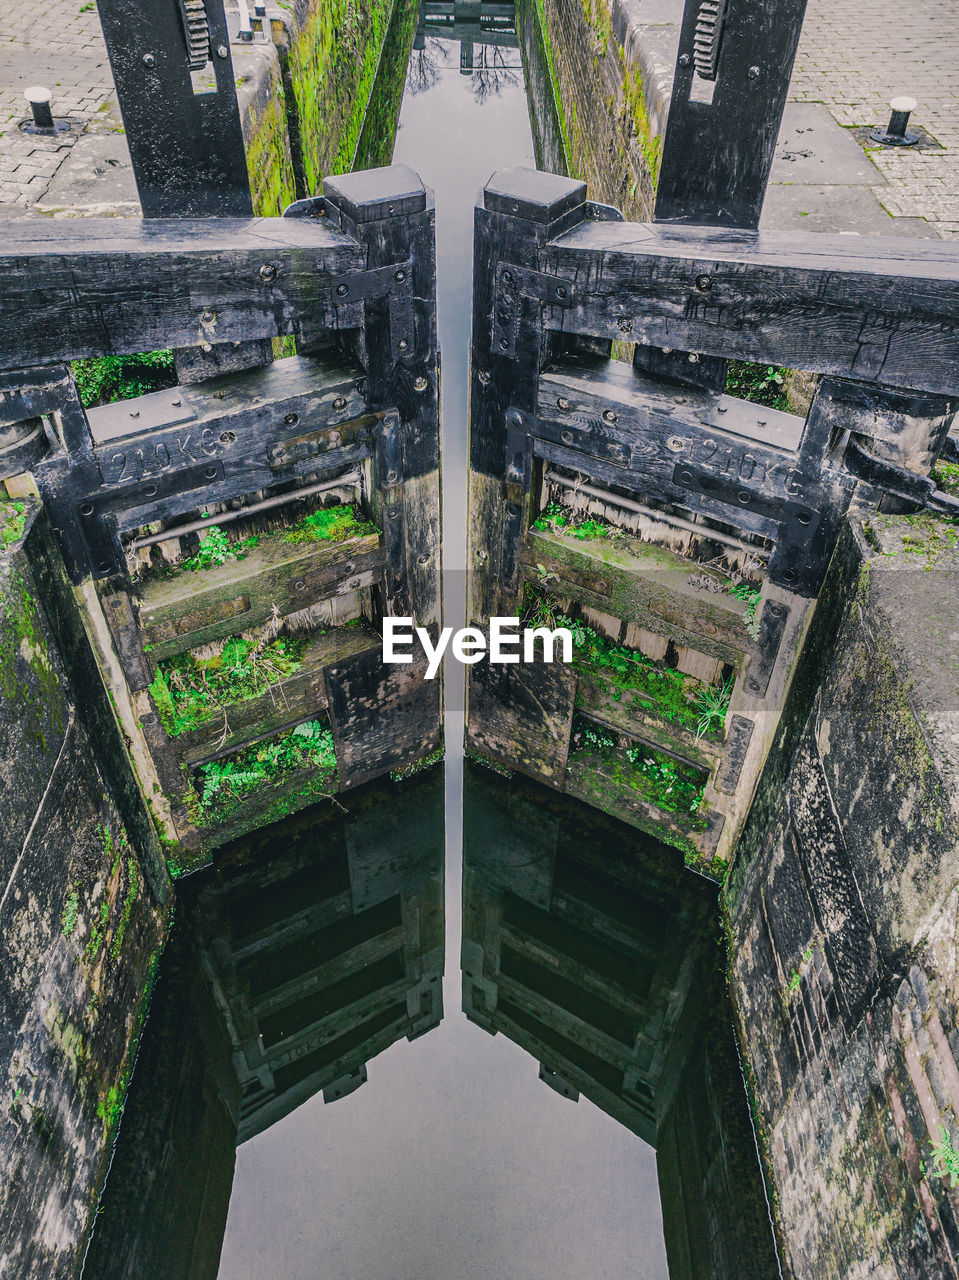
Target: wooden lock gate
x=353, y=418
x=718, y=516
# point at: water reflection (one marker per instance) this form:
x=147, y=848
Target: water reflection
x=594, y=949
x=302, y=955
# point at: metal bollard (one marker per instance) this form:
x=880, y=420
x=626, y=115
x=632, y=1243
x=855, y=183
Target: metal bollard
x=39, y=99
x=895, y=135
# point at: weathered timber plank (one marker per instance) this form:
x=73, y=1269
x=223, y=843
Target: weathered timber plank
x=383, y=716
x=832, y=304
x=125, y=285
x=521, y=715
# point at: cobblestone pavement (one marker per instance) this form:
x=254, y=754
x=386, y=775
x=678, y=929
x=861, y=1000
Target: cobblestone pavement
x=855, y=55
x=57, y=44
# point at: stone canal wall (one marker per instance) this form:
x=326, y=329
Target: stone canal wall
x=82, y=913
x=843, y=918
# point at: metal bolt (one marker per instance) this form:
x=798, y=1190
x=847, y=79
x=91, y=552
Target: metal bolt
x=624, y=324
x=722, y=408
x=391, y=208
x=227, y=437
x=222, y=51
x=150, y=491
x=334, y=437
x=339, y=403
x=299, y=586
x=483, y=377
x=207, y=317
x=392, y=477
x=400, y=277
x=39, y=99
x=268, y=272
x=895, y=135
x=507, y=277
x=134, y=413
x=609, y=416
x=354, y=583
x=563, y=403
x=87, y=509
x=744, y=497
x=423, y=559
x=753, y=73
x=693, y=358
x=149, y=60
x=419, y=384
x=402, y=344
x=206, y=346
x=393, y=513
x=210, y=473
x=291, y=419
x=684, y=59
x=704, y=282
x=177, y=402
x=504, y=344
x=760, y=422
x=561, y=292
x=342, y=290
x=567, y=437
x=804, y=517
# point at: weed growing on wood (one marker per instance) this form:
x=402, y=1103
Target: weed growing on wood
x=669, y=784
x=310, y=743
x=618, y=669
x=216, y=548
x=945, y=1158
x=330, y=524
x=795, y=977
x=712, y=703
x=418, y=766
x=189, y=691
x=559, y=519
x=748, y=592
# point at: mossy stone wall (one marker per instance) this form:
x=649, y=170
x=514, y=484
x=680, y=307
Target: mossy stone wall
x=80, y=930
x=843, y=909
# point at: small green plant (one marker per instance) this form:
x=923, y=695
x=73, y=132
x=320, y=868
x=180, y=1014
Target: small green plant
x=619, y=669
x=749, y=593
x=216, y=548
x=712, y=703
x=330, y=524
x=559, y=519
x=945, y=1158
x=189, y=691
x=946, y=476
x=669, y=784
x=13, y=521
x=68, y=921
x=310, y=743
x=418, y=766
x=760, y=383
x=795, y=977
x=105, y=379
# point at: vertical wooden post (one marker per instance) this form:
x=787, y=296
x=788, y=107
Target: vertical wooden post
x=519, y=212
x=392, y=213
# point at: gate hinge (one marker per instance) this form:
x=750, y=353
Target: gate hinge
x=514, y=283
x=394, y=282
x=897, y=482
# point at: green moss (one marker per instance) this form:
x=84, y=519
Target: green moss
x=671, y=785
x=268, y=159
x=13, y=522
x=946, y=476
x=375, y=147
x=188, y=691
x=331, y=524
x=332, y=67
x=68, y=920
x=650, y=142
x=28, y=680
x=133, y=884
x=418, y=766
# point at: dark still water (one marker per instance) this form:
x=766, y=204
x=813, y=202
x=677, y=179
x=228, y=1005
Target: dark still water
x=311, y=1101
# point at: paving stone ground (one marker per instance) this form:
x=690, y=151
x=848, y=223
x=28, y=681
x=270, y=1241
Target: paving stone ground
x=854, y=56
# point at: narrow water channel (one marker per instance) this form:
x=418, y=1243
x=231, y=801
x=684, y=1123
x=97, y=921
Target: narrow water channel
x=313, y=1100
